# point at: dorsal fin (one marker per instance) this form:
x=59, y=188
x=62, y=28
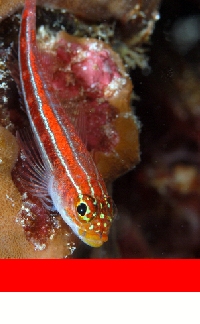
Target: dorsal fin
x=80, y=124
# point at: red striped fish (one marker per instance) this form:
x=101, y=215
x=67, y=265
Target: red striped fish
x=68, y=173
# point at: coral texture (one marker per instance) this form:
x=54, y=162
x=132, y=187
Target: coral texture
x=13, y=243
x=9, y=7
x=89, y=9
x=91, y=81
x=103, y=9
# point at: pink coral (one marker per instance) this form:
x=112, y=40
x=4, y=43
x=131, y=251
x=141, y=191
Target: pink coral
x=91, y=82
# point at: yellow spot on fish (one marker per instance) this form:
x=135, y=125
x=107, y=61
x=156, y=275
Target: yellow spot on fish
x=85, y=218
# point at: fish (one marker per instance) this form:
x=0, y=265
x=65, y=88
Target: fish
x=64, y=170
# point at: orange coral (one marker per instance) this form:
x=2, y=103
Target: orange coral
x=8, y=7
x=126, y=154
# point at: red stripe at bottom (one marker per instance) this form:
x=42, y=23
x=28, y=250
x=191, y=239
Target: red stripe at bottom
x=100, y=275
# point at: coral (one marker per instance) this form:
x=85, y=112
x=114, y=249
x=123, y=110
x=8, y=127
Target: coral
x=92, y=10
x=13, y=242
x=103, y=9
x=9, y=7
x=45, y=230
x=126, y=25
x=90, y=79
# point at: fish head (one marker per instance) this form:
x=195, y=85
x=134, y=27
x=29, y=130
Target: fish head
x=89, y=217
x=95, y=216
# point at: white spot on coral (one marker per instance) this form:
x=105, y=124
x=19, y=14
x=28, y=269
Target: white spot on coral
x=93, y=47
x=39, y=247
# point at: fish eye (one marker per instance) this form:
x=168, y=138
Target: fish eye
x=86, y=208
x=82, y=209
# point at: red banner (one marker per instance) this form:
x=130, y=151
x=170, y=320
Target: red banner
x=100, y=275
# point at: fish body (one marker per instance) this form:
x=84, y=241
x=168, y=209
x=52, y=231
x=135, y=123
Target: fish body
x=69, y=176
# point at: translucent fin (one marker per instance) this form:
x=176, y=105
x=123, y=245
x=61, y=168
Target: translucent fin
x=33, y=174
x=80, y=125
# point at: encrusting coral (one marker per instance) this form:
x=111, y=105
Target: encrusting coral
x=10, y=198
x=104, y=96
x=89, y=9
x=9, y=7
x=13, y=242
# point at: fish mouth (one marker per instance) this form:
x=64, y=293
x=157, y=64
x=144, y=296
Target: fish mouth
x=94, y=240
